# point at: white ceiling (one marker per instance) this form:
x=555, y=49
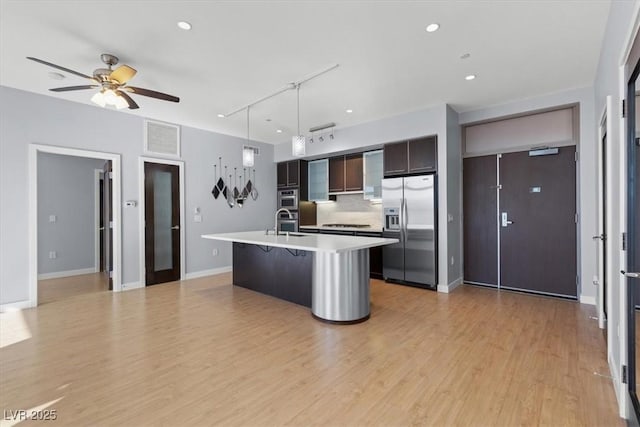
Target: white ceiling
x=239, y=51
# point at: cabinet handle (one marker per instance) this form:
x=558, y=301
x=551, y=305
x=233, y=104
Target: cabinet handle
x=395, y=170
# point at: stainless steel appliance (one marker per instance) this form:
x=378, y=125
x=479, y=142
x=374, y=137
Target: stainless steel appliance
x=288, y=199
x=286, y=223
x=410, y=214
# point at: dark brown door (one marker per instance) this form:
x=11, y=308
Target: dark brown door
x=162, y=223
x=107, y=219
x=282, y=174
x=353, y=172
x=537, y=222
x=395, y=159
x=336, y=174
x=422, y=155
x=293, y=173
x=480, y=222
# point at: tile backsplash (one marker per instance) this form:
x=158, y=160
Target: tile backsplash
x=350, y=209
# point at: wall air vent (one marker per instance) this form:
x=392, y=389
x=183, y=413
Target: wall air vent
x=161, y=138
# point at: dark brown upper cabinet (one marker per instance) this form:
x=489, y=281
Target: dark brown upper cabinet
x=345, y=173
x=336, y=174
x=353, y=172
x=411, y=157
x=293, y=174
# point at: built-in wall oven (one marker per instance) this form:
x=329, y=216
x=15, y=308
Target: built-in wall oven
x=288, y=199
x=286, y=223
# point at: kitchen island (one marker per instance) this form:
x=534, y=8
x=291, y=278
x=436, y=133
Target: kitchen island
x=328, y=273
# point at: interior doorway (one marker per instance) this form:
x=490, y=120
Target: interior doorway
x=50, y=220
x=520, y=230
x=162, y=215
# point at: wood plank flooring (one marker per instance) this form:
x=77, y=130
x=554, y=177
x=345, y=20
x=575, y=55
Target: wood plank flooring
x=50, y=290
x=206, y=353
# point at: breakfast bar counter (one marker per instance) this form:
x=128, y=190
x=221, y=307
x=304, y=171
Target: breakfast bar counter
x=328, y=273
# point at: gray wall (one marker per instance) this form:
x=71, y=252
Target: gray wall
x=66, y=187
x=454, y=199
x=607, y=83
x=30, y=118
x=432, y=121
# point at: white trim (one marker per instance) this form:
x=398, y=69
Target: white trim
x=141, y=215
x=132, y=285
x=587, y=299
x=447, y=289
x=205, y=273
x=34, y=149
x=15, y=306
x=96, y=220
x=68, y=273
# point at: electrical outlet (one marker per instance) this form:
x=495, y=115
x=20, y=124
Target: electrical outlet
x=215, y=252
x=449, y=218
x=197, y=218
x=52, y=218
x=452, y=261
x=53, y=255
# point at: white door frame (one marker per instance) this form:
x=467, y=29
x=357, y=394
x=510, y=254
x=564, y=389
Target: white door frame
x=604, y=128
x=97, y=174
x=34, y=149
x=142, y=252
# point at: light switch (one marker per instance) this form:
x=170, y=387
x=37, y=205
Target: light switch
x=197, y=218
x=53, y=255
x=449, y=218
x=52, y=218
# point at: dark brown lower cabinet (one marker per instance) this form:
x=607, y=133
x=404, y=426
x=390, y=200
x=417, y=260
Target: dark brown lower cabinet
x=281, y=273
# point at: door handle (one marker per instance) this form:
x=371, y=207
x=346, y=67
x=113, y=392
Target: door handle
x=599, y=237
x=175, y=227
x=101, y=228
x=630, y=274
x=504, y=219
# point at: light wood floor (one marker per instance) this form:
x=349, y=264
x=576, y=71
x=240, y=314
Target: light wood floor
x=208, y=353
x=51, y=290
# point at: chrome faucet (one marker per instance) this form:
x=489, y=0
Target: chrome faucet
x=275, y=226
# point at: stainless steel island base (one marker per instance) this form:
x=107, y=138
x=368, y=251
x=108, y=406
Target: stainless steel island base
x=340, y=286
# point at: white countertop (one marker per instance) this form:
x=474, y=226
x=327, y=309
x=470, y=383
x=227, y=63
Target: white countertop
x=303, y=241
x=363, y=229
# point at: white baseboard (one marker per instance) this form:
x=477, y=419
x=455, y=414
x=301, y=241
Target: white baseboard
x=450, y=287
x=205, y=273
x=131, y=285
x=14, y=306
x=617, y=385
x=585, y=299
x=68, y=273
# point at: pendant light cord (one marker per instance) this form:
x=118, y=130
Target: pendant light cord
x=248, y=124
x=298, y=92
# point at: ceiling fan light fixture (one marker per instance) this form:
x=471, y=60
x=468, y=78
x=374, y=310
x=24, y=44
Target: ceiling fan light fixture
x=120, y=102
x=98, y=98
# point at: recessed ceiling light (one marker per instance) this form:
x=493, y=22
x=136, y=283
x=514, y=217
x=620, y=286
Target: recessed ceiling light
x=184, y=25
x=432, y=27
x=279, y=130
x=349, y=110
x=470, y=77
x=55, y=76
x=221, y=116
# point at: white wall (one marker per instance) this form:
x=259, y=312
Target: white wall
x=30, y=118
x=587, y=206
x=67, y=190
x=618, y=33
x=370, y=135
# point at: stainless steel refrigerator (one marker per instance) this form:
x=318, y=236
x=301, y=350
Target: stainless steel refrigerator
x=410, y=215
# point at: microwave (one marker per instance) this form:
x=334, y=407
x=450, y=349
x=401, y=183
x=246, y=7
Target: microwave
x=288, y=199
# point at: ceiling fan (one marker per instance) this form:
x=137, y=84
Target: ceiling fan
x=112, y=83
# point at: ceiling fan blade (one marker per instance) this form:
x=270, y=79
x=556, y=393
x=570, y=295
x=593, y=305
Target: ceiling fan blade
x=66, y=70
x=132, y=103
x=152, y=94
x=122, y=74
x=68, y=88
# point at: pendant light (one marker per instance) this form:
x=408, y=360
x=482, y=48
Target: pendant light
x=247, y=151
x=298, y=146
